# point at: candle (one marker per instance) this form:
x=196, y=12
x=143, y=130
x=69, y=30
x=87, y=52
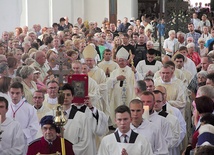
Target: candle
x=146, y=112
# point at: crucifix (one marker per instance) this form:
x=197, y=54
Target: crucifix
x=61, y=59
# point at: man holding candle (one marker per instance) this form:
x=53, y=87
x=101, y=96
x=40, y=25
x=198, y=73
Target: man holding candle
x=12, y=141
x=148, y=99
x=147, y=128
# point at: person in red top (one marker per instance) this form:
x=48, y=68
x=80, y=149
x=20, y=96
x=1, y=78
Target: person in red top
x=50, y=142
x=194, y=56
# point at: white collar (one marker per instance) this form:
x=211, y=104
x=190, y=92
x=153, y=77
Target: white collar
x=52, y=100
x=166, y=82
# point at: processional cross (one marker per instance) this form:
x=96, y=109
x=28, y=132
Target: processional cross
x=61, y=59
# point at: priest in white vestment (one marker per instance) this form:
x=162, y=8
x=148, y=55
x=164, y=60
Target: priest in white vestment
x=12, y=138
x=51, y=98
x=96, y=73
x=124, y=141
x=176, y=89
x=121, y=82
x=41, y=109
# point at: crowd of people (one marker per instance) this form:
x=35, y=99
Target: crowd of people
x=140, y=100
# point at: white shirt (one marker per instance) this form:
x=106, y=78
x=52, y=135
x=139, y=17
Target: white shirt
x=12, y=142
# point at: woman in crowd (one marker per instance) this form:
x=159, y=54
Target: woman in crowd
x=40, y=85
x=4, y=87
x=117, y=43
x=194, y=56
x=29, y=85
x=202, y=49
x=12, y=65
x=51, y=58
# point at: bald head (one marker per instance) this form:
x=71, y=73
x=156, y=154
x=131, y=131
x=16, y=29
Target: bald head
x=40, y=57
x=165, y=59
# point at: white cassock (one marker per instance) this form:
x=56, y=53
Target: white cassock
x=163, y=125
x=176, y=93
x=26, y=115
x=12, y=142
x=111, y=145
x=83, y=127
x=121, y=95
x=190, y=66
x=177, y=113
x=153, y=135
x=98, y=75
x=143, y=67
x=175, y=127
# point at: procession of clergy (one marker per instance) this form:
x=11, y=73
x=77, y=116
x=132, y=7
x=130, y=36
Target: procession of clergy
x=137, y=104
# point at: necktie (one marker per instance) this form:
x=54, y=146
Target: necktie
x=125, y=139
x=82, y=109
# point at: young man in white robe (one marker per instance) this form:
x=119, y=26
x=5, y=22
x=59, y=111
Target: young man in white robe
x=188, y=63
x=179, y=64
x=12, y=137
x=93, y=122
x=21, y=111
x=107, y=65
x=124, y=141
x=148, y=99
x=121, y=82
x=149, y=66
x=177, y=113
x=147, y=128
x=174, y=124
